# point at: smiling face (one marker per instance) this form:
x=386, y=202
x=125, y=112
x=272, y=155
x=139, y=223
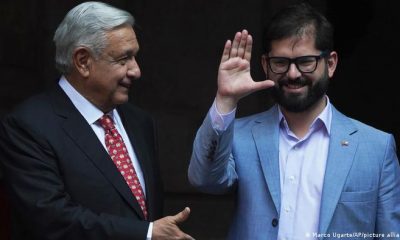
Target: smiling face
x=296, y=91
x=110, y=75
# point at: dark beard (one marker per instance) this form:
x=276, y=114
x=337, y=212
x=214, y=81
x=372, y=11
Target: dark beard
x=299, y=103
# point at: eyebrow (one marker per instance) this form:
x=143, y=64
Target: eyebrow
x=128, y=53
x=119, y=56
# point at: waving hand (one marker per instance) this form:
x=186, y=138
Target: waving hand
x=234, y=80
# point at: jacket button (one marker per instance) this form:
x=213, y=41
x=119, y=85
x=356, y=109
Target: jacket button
x=274, y=222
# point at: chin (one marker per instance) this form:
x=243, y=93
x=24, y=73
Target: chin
x=121, y=100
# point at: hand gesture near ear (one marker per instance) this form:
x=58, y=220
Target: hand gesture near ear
x=234, y=80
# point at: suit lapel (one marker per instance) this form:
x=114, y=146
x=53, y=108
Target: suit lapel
x=76, y=127
x=266, y=137
x=342, y=147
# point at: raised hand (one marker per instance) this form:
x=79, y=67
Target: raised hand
x=167, y=227
x=234, y=79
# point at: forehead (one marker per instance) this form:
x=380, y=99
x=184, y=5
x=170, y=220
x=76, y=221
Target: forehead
x=121, y=40
x=294, y=46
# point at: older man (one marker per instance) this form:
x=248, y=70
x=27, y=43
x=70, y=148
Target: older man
x=79, y=161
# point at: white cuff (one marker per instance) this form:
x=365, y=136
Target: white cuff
x=150, y=231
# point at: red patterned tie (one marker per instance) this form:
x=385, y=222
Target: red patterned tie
x=119, y=154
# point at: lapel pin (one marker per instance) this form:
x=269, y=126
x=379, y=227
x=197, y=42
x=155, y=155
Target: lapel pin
x=344, y=143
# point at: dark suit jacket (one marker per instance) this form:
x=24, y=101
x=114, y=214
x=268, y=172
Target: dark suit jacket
x=62, y=182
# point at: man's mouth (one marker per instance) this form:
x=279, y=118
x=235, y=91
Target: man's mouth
x=125, y=84
x=294, y=86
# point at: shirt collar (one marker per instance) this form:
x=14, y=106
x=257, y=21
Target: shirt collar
x=89, y=111
x=324, y=118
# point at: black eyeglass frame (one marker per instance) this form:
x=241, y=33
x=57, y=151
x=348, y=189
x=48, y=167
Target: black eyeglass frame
x=323, y=54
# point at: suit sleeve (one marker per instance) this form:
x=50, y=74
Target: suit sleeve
x=36, y=187
x=212, y=166
x=388, y=211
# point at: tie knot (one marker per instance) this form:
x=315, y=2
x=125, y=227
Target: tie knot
x=106, y=122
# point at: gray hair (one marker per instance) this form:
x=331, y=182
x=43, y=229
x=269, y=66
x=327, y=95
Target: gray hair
x=86, y=25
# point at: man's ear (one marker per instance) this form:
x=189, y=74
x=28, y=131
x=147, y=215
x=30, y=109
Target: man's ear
x=82, y=59
x=332, y=61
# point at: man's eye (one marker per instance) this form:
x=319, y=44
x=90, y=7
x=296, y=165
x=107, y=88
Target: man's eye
x=122, y=61
x=279, y=62
x=305, y=61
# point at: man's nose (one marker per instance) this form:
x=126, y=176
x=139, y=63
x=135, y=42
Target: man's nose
x=293, y=71
x=133, y=69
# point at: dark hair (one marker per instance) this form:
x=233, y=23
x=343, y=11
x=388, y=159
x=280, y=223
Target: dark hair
x=297, y=20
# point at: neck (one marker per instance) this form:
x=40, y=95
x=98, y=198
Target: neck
x=299, y=122
x=79, y=84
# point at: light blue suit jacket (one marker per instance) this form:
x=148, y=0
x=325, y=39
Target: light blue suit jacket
x=361, y=191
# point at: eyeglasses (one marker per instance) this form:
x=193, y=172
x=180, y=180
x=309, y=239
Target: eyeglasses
x=305, y=64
